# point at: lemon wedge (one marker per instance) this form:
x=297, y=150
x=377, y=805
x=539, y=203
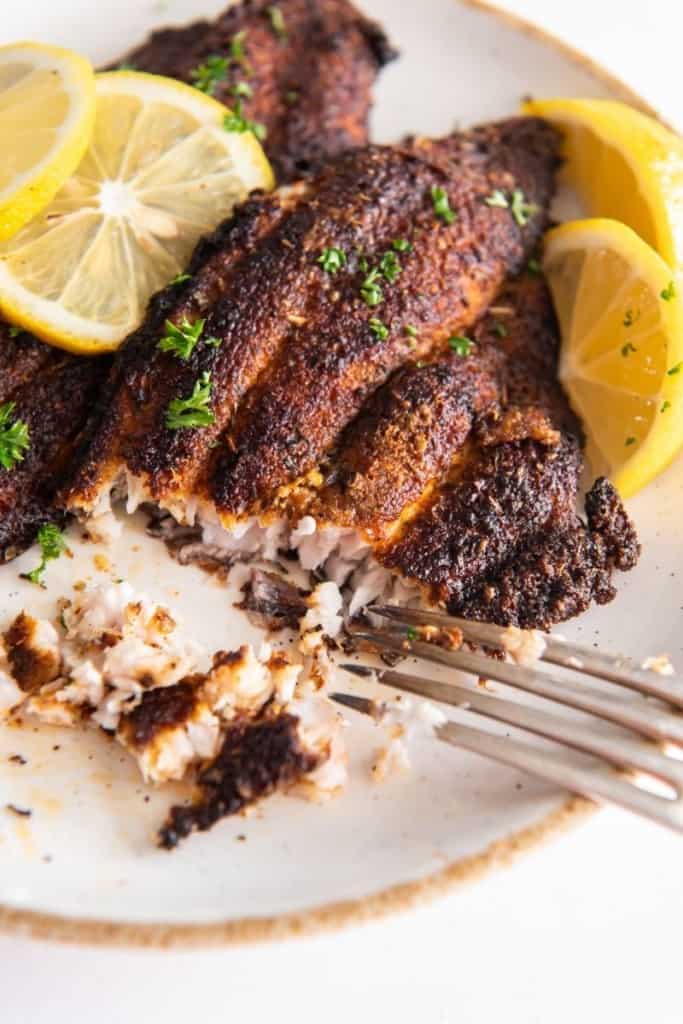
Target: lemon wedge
x=160, y=171
x=621, y=318
x=47, y=110
x=624, y=165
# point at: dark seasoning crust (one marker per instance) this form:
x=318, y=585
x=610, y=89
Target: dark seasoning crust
x=459, y=467
x=310, y=83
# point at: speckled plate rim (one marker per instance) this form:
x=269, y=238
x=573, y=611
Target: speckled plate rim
x=396, y=898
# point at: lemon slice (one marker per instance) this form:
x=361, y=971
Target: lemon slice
x=624, y=165
x=160, y=171
x=621, y=318
x=47, y=110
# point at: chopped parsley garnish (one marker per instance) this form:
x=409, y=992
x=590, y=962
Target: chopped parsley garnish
x=500, y=329
x=237, y=122
x=213, y=342
x=665, y=405
x=14, y=437
x=669, y=292
x=237, y=51
x=497, y=198
x=242, y=89
x=630, y=317
x=410, y=330
x=370, y=290
x=379, y=329
x=674, y=370
x=534, y=267
x=629, y=441
x=628, y=348
x=292, y=97
x=194, y=411
x=181, y=339
x=442, y=208
x=520, y=209
x=460, y=345
x=332, y=260
x=390, y=267
x=126, y=66
x=52, y=544
x=412, y=633
x=363, y=263
x=206, y=76
x=277, y=22
x=181, y=279
x=401, y=245
x=14, y=332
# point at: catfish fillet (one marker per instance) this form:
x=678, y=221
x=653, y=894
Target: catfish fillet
x=308, y=70
x=384, y=426
x=53, y=394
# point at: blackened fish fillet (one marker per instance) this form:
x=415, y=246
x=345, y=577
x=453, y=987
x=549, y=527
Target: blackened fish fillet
x=298, y=356
x=307, y=72
x=423, y=439
x=53, y=394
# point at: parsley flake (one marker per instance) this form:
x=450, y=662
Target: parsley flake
x=412, y=633
x=665, y=405
x=206, y=76
x=460, y=345
x=534, y=267
x=181, y=279
x=520, y=209
x=628, y=348
x=237, y=122
x=14, y=437
x=669, y=292
x=629, y=441
x=14, y=332
x=180, y=339
x=332, y=260
x=500, y=329
x=213, y=342
x=292, y=97
x=410, y=330
x=674, y=370
x=193, y=411
x=242, y=89
x=370, y=290
x=277, y=21
x=442, y=207
x=52, y=544
x=126, y=66
x=237, y=51
x=390, y=267
x=401, y=245
x=379, y=329
x=497, y=198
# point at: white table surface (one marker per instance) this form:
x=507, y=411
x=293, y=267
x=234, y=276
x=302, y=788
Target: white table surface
x=587, y=928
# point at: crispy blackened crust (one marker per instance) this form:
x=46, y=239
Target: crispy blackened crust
x=161, y=708
x=559, y=572
x=311, y=88
x=297, y=358
x=54, y=394
x=256, y=759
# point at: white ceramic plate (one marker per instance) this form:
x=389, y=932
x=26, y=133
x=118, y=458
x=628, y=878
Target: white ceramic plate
x=84, y=865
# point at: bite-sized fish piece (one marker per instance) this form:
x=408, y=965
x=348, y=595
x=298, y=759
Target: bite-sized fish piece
x=303, y=69
x=53, y=394
x=296, y=350
x=249, y=725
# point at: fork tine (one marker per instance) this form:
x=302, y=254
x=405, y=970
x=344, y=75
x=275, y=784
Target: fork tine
x=620, y=751
x=611, y=667
x=545, y=764
x=645, y=719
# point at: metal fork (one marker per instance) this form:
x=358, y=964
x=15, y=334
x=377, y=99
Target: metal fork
x=642, y=761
